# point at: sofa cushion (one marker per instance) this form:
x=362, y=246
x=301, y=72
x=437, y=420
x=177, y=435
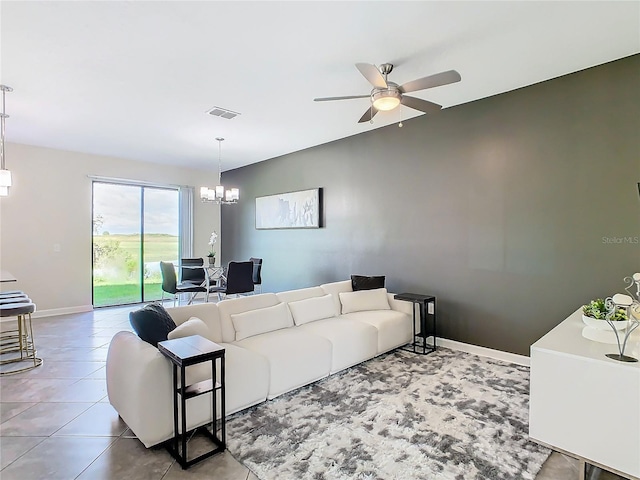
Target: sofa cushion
x=232, y=306
x=334, y=288
x=394, y=328
x=312, y=309
x=262, y=320
x=300, y=294
x=362, y=282
x=247, y=377
x=207, y=312
x=193, y=326
x=295, y=357
x=353, y=341
x=152, y=323
x=364, y=300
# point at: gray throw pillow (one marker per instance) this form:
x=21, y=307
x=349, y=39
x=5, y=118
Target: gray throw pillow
x=363, y=282
x=152, y=323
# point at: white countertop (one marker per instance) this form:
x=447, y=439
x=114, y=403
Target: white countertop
x=6, y=276
x=567, y=339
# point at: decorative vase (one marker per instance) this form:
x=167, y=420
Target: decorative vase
x=212, y=261
x=602, y=324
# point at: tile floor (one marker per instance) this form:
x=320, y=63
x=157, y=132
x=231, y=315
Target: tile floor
x=56, y=421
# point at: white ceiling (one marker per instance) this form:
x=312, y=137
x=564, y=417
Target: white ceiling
x=134, y=79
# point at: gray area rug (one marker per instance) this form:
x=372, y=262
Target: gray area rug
x=448, y=415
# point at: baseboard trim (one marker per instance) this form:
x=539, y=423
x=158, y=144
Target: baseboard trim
x=444, y=342
x=52, y=312
x=484, y=351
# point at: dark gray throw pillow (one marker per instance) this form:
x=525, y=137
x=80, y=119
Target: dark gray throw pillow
x=152, y=323
x=362, y=282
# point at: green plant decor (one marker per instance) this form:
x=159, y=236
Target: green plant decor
x=598, y=310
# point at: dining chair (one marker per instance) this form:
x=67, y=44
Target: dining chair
x=195, y=276
x=170, y=283
x=239, y=280
x=257, y=273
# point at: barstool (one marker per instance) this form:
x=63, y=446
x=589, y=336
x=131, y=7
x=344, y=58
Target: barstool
x=11, y=335
x=19, y=340
x=12, y=294
x=20, y=299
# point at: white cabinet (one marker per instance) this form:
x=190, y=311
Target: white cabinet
x=584, y=403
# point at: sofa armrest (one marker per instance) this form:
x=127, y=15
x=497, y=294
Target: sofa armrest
x=139, y=386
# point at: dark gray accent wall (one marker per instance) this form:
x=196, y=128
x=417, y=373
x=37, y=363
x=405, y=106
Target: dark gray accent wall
x=514, y=210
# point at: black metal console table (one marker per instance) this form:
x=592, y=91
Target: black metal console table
x=419, y=343
x=184, y=352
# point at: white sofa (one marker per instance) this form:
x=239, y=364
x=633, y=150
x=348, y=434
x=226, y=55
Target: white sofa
x=274, y=343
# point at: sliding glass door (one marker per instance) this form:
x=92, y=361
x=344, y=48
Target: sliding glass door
x=160, y=239
x=134, y=228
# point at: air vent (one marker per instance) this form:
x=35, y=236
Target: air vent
x=222, y=112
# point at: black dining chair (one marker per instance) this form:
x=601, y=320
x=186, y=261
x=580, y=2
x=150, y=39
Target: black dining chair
x=257, y=273
x=196, y=276
x=239, y=280
x=170, y=283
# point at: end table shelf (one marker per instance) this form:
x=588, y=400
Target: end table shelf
x=419, y=340
x=200, y=388
x=184, y=352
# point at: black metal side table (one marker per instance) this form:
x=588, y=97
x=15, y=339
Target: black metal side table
x=427, y=305
x=184, y=352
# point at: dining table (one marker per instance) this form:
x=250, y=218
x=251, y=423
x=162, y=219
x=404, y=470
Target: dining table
x=212, y=273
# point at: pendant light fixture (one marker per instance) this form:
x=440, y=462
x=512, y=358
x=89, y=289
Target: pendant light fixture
x=5, y=175
x=220, y=195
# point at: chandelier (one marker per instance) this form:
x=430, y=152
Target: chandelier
x=219, y=194
x=5, y=175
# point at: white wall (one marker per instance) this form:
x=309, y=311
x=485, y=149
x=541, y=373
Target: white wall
x=50, y=203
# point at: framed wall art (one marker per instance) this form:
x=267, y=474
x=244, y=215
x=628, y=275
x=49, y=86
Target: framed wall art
x=301, y=209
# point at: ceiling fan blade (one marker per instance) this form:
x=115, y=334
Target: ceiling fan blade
x=368, y=115
x=372, y=74
x=348, y=97
x=443, y=78
x=420, y=104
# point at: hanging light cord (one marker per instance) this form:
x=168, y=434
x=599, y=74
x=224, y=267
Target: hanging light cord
x=220, y=140
x=2, y=117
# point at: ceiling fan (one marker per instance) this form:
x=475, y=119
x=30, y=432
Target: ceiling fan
x=388, y=95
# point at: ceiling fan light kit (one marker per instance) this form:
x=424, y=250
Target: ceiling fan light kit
x=386, y=100
x=386, y=95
